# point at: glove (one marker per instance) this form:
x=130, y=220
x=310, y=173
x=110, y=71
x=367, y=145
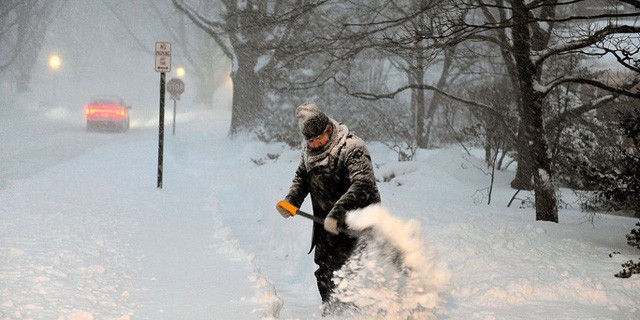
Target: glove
x=331, y=224
x=283, y=211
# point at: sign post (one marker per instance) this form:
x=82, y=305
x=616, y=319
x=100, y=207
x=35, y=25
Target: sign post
x=162, y=65
x=176, y=88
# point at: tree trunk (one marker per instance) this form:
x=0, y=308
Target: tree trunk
x=435, y=100
x=543, y=181
x=524, y=172
x=208, y=80
x=204, y=90
x=31, y=32
x=532, y=116
x=248, y=93
x=417, y=102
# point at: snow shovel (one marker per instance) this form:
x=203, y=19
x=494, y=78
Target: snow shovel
x=365, y=235
x=295, y=211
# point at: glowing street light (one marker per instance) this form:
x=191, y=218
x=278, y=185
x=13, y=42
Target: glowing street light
x=54, y=63
x=180, y=72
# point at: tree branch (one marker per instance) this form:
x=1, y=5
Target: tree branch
x=624, y=90
x=214, y=29
x=390, y=95
x=597, y=37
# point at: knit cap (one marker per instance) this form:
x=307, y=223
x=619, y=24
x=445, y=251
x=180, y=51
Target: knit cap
x=311, y=121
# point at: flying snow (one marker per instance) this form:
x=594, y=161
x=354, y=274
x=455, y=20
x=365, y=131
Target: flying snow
x=393, y=274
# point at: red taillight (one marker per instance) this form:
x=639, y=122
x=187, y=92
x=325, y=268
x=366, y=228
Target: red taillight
x=105, y=111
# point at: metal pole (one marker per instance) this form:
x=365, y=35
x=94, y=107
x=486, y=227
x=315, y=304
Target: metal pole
x=174, y=117
x=161, y=131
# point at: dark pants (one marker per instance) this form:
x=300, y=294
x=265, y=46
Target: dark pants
x=325, y=285
x=330, y=255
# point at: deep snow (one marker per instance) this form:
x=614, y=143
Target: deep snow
x=85, y=233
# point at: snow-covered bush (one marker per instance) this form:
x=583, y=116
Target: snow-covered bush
x=279, y=125
x=613, y=172
x=630, y=267
x=579, y=149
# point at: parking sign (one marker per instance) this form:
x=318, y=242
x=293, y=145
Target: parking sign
x=163, y=56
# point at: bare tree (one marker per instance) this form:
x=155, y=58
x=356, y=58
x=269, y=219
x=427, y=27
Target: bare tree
x=195, y=49
x=528, y=35
x=23, y=26
x=398, y=29
x=417, y=58
x=9, y=20
x=250, y=34
x=533, y=27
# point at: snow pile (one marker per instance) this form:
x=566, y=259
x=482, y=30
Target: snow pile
x=393, y=274
x=267, y=298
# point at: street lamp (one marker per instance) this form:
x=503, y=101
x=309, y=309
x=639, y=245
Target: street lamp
x=180, y=72
x=54, y=63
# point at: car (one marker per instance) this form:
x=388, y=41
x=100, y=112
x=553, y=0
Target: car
x=107, y=112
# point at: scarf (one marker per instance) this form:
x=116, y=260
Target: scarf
x=314, y=158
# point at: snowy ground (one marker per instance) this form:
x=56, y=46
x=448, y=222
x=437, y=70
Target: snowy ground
x=85, y=233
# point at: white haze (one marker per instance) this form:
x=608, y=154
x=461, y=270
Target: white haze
x=86, y=234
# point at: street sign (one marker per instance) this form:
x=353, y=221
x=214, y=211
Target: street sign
x=163, y=56
x=163, y=65
x=175, y=87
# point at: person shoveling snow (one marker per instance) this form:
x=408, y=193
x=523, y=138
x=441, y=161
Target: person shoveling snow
x=336, y=170
x=391, y=274
x=360, y=271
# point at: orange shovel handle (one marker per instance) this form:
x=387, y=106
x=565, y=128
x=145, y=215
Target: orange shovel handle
x=295, y=211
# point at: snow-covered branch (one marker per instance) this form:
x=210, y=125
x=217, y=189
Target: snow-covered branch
x=582, y=43
x=625, y=90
